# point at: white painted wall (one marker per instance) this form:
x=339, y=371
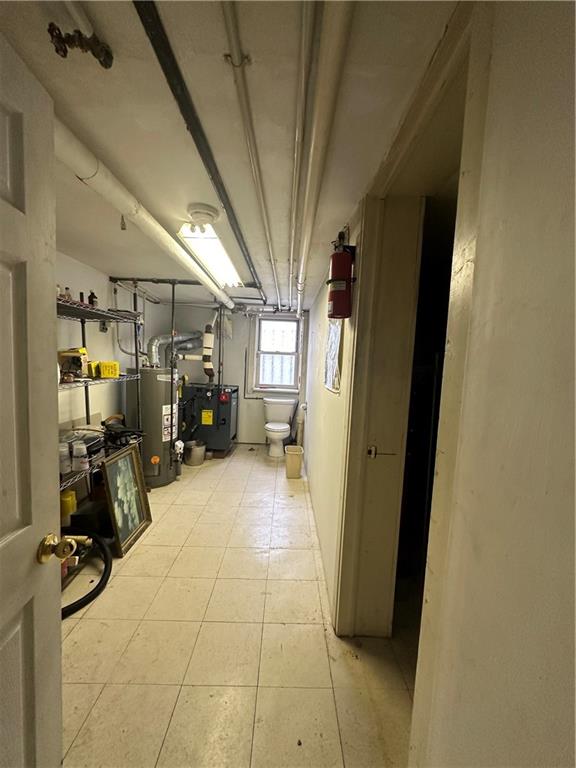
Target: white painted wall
x=325, y=435
x=503, y=675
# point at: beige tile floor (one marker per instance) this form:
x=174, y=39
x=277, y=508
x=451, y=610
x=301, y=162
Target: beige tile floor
x=212, y=646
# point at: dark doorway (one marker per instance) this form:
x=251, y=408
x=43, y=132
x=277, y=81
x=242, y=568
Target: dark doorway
x=429, y=343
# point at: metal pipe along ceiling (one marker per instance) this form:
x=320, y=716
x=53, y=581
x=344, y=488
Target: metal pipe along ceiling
x=96, y=175
x=305, y=55
x=238, y=62
x=152, y=23
x=336, y=20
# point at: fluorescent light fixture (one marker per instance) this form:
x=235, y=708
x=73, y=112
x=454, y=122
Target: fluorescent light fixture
x=206, y=246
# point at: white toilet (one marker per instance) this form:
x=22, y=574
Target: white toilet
x=278, y=413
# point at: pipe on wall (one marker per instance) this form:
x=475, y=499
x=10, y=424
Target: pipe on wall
x=181, y=348
x=155, y=342
x=336, y=22
x=238, y=61
x=88, y=168
x=308, y=11
x=208, y=351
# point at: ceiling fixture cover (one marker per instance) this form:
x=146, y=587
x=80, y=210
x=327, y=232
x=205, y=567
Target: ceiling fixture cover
x=201, y=214
x=202, y=240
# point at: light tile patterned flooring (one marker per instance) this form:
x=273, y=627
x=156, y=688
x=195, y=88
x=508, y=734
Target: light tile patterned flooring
x=212, y=646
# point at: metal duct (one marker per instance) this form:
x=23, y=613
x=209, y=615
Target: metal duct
x=183, y=346
x=188, y=345
x=156, y=342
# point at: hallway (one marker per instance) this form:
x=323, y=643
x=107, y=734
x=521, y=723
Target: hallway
x=212, y=645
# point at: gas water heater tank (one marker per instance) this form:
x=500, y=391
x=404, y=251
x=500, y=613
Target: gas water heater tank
x=155, y=395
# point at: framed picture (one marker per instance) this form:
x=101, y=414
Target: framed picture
x=127, y=498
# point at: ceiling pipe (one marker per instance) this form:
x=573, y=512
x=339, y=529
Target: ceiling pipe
x=304, y=59
x=142, y=292
x=96, y=175
x=79, y=18
x=239, y=60
x=152, y=23
x=336, y=21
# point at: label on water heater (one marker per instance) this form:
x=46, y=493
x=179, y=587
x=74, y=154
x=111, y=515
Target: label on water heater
x=167, y=422
x=208, y=418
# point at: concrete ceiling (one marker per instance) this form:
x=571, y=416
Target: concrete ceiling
x=128, y=117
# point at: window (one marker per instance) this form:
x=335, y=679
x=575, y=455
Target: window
x=277, y=353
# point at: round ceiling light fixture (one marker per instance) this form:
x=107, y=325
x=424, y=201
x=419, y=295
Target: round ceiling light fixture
x=202, y=215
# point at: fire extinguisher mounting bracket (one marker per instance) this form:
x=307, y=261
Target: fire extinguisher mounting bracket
x=351, y=249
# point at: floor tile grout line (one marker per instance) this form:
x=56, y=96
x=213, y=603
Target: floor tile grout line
x=85, y=719
x=185, y=673
x=106, y=682
x=400, y=667
x=171, y=505
x=176, y=700
x=325, y=633
x=260, y=653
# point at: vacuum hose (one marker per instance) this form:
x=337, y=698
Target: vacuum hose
x=102, y=549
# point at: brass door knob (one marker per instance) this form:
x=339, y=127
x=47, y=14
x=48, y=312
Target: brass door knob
x=51, y=545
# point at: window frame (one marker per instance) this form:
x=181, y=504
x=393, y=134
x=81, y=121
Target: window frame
x=255, y=353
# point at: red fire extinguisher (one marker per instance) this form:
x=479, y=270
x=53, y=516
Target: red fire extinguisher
x=340, y=280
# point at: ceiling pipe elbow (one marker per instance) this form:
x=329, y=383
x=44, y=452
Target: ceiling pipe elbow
x=88, y=168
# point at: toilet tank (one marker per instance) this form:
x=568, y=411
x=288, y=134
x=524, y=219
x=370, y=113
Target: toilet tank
x=279, y=409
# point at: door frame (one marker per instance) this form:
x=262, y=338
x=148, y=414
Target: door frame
x=465, y=46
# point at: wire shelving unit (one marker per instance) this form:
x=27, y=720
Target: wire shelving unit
x=71, y=478
x=69, y=309
x=95, y=382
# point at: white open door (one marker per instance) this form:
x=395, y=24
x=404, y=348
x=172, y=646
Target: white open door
x=388, y=297
x=30, y=689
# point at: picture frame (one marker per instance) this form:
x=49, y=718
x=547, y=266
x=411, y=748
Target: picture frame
x=127, y=498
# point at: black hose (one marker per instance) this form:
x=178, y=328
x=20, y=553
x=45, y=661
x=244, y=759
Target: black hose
x=100, y=546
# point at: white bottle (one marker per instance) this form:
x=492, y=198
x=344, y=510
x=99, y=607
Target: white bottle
x=79, y=456
x=64, y=456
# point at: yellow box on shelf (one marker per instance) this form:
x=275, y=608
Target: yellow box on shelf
x=109, y=369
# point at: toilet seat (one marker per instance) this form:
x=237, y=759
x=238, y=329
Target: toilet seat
x=276, y=426
x=276, y=433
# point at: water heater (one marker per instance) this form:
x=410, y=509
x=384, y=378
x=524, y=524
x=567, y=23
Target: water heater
x=157, y=415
